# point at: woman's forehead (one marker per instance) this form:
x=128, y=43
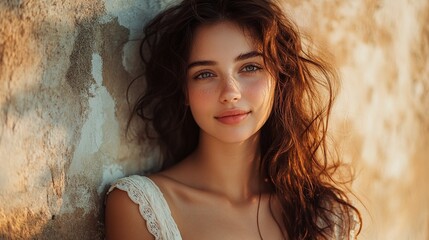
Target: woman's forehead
x=222, y=37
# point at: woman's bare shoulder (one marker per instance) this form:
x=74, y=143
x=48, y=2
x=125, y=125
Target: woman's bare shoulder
x=178, y=175
x=123, y=219
x=171, y=178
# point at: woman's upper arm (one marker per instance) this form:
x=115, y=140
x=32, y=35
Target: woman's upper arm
x=123, y=219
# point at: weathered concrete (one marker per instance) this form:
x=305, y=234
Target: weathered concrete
x=65, y=67
x=381, y=120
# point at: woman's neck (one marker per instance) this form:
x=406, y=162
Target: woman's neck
x=229, y=169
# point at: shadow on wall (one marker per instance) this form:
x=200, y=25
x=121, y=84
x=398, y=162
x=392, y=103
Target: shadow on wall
x=55, y=76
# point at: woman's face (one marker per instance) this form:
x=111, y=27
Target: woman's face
x=230, y=91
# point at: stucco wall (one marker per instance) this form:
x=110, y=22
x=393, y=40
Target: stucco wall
x=65, y=67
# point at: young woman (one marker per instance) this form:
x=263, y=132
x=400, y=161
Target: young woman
x=240, y=112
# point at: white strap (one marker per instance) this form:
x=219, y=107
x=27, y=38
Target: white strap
x=152, y=206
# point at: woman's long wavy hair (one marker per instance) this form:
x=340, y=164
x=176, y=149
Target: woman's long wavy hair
x=294, y=148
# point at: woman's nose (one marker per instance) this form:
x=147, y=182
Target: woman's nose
x=230, y=91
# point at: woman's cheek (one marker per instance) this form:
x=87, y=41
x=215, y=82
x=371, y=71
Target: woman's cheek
x=200, y=97
x=259, y=89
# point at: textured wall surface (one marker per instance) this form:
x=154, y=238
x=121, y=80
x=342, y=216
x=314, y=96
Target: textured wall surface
x=381, y=120
x=65, y=67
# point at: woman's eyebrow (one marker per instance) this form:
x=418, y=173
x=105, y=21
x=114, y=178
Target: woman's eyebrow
x=245, y=56
x=240, y=57
x=201, y=63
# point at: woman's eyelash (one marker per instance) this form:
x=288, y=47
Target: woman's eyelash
x=251, y=68
x=204, y=75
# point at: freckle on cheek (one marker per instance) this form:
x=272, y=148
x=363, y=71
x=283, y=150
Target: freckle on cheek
x=206, y=91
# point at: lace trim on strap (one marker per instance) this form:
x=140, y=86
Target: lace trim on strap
x=152, y=206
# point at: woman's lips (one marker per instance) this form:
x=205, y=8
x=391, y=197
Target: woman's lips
x=232, y=116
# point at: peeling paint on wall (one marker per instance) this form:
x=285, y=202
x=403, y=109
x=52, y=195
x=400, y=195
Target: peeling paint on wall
x=65, y=67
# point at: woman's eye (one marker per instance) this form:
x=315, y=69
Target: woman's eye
x=251, y=68
x=204, y=75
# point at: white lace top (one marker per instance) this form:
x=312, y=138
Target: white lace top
x=152, y=205
x=155, y=210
